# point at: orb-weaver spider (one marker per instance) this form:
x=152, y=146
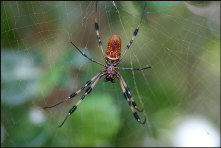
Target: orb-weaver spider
x=112, y=59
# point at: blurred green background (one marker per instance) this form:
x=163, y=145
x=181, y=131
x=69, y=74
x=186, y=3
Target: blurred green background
x=39, y=67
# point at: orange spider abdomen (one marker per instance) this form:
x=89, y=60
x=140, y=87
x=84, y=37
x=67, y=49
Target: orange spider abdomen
x=113, y=51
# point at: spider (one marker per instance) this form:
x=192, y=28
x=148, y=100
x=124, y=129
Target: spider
x=113, y=58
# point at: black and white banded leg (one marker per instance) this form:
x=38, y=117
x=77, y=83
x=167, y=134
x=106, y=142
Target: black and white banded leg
x=96, y=25
x=128, y=94
x=87, y=91
x=131, y=102
x=92, y=60
x=77, y=92
x=134, y=35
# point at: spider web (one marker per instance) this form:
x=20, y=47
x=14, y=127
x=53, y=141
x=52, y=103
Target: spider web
x=179, y=40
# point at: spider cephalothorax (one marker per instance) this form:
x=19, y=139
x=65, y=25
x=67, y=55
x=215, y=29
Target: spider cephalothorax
x=113, y=58
x=110, y=73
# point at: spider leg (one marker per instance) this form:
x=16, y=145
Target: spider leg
x=134, y=35
x=133, y=68
x=128, y=94
x=96, y=25
x=92, y=60
x=131, y=102
x=87, y=91
x=77, y=92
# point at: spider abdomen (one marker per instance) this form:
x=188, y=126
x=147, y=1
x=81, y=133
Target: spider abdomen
x=113, y=51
